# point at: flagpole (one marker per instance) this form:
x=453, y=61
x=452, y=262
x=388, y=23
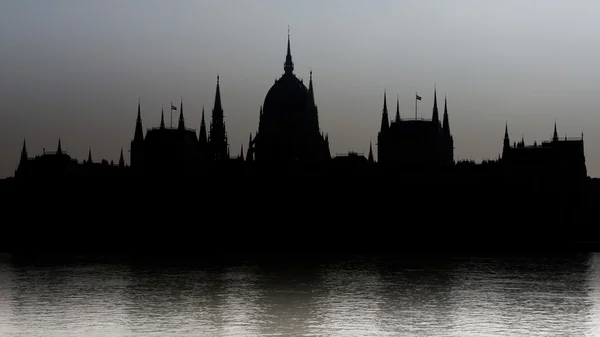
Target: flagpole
x=415, y=105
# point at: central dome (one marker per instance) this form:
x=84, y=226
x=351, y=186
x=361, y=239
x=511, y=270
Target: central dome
x=287, y=95
x=288, y=129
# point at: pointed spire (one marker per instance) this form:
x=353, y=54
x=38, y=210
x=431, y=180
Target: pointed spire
x=371, y=160
x=24, y=152
x=59, y=149
x=397, y=108
x=385, y=122
x=242, y=152
x=288, y=67
x=435, y=116
x=385, y=100
x=121, y=159
x=311, y=91
x=506, y=144
x=218, y=107
x=162, y=117
x=555, y=137
x=139, y=132
x=446, y=123
x=181, y=125
x=89, y=160
x=202, y=137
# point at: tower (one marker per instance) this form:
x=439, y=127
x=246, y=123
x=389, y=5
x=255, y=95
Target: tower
x=217, y=137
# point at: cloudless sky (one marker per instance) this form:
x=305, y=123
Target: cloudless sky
x=75, y=69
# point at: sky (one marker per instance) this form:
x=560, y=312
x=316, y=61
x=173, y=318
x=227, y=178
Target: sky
x=75, y=69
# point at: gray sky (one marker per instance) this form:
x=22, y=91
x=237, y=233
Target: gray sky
x=75, y=68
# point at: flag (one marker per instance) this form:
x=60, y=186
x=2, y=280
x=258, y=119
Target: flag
x=173, y=107
x=418, y=97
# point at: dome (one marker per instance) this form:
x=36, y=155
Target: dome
x=287, y=95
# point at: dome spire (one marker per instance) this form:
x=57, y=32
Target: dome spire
x=289, y=65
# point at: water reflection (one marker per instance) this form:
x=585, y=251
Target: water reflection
x=353, y=296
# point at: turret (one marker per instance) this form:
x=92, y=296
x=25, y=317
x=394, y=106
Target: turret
x=59, y=149
x=217, y=137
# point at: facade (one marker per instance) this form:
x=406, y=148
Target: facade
x=555, y=159
x=179, y=150
x=289, y=134
x=415, y=142
x=288, y=130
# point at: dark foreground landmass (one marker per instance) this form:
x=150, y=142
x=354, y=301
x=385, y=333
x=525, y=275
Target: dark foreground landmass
x=297, y=214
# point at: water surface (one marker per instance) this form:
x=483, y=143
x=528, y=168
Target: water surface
x=345, y=296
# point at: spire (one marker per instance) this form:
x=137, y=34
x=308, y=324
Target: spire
x=181, y=125
x=121, y=160
x=89, y=160
x=385, y=122
x=288, y=67
x=446, y=123
x=24, y=153
x=242, y=152
x=59, y=149
x=506, y=144
x=162, y=117
x=202, y=136
x=371, y=160
x=218, y=107
x=435, y=117
x=555, y=137
x=139, y=132
x=397, y=108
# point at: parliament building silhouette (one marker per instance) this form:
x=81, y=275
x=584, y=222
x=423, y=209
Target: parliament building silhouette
x=289, y=141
